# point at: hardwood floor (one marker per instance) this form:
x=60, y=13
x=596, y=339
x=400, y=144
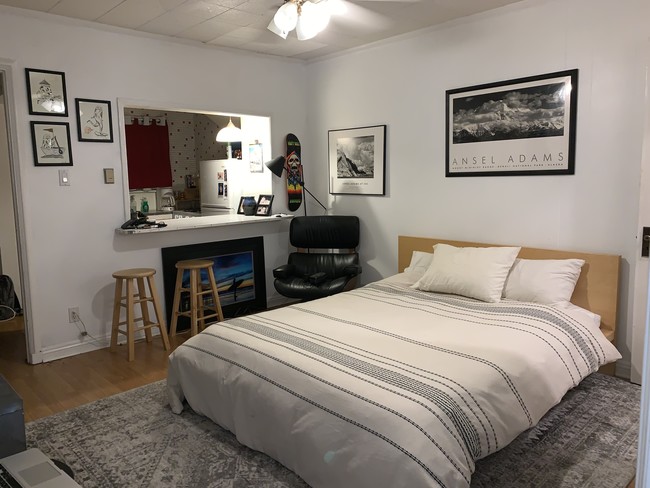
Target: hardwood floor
x=59, y=385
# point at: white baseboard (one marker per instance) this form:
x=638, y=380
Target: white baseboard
x=624, y=369
x=81, y=346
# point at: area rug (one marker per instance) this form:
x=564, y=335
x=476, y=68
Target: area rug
x=133, y=440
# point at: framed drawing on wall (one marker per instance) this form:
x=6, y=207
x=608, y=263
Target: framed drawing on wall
x=94, y=120
x=46, y=92
x=525, y=126
x=51, y=143
x=357, y=160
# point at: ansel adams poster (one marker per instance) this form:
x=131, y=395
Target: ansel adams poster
x=523, y=126
x=357, y=160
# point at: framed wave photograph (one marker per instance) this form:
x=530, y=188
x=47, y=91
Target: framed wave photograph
x=525, y=126
x=357, y=160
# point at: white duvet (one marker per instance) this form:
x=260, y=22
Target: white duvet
x=386, y=386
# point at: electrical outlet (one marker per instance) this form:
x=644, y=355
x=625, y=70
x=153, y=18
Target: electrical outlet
x=73, y=313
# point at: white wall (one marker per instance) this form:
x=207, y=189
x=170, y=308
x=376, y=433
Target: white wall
x=71, y=244
x=402, y=84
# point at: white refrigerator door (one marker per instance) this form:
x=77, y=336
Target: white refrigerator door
x=214, y=183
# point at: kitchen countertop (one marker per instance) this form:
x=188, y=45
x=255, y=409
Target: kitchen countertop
x=205, y=222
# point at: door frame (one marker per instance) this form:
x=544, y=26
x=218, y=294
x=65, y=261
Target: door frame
x=32, y=346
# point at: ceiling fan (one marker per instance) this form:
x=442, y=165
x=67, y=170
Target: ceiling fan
x=309, y=17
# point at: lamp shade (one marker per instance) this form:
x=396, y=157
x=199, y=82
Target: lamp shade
x=276, y=165
x=230, y=133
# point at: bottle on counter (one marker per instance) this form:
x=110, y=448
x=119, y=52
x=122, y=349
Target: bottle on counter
x=134, y=205
x=144, y=205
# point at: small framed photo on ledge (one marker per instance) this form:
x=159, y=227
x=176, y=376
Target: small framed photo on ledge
x=247, y=205
x=264, y=203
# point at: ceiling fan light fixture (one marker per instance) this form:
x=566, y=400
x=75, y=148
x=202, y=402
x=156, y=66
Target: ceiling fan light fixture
x=286, y=17
x=312, y=20
x=276, y=30
x=307, y=17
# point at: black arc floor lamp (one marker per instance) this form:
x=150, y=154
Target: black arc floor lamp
x=277, y=166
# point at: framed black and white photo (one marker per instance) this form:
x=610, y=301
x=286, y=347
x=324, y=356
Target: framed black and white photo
x=46, y=92
x=525, y=126
x=94, y=120
x=357, y=160
x=51, y=143
x=264, y=203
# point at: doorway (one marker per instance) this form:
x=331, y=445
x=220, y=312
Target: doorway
x=15, y=328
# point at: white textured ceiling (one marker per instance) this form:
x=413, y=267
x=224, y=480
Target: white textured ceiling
x=242, y=24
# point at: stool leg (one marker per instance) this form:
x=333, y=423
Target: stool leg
x=130, y=322
x=215, y=294
x=177, y=302
x=194, y=300
x=158, y=311
x=116, y=313
x=144, y=308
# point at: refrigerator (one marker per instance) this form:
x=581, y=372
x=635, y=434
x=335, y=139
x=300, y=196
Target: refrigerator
x=216, y=198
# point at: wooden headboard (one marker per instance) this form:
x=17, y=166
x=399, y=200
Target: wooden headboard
x=596, y=290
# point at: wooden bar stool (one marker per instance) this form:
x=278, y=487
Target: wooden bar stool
x=197, y=294
x=136, y=278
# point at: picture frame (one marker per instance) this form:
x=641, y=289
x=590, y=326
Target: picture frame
x=263, y=211
x=46, y=92
x=255, y=158
x=242, y=200
x=357, y=160
x=94, y=120
x=264, y=203
x=51, y=143
x=523, y=126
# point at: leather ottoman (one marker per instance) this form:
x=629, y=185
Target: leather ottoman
x=12, y=420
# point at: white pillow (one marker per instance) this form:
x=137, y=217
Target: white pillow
x=420, y=262
x=475, y=272
x=543, y=280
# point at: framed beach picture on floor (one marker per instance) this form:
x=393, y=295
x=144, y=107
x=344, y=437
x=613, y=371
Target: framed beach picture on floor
x=525, y=126
x=94, y=120
x=51, y=143
x=357, y=160
x=46, y=92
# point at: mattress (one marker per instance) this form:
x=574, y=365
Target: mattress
x=386, y=385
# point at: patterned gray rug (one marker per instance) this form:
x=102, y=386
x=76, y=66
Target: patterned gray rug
x=133, y=440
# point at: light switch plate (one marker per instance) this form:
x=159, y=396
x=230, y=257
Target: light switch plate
x=109, y=176
x=64, y=177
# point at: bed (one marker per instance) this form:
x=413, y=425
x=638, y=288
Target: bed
x=390, y=385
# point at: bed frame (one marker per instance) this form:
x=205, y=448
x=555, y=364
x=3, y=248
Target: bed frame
x=596, y=290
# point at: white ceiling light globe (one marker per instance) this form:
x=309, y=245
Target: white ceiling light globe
x=308, y=22
x=286, y=17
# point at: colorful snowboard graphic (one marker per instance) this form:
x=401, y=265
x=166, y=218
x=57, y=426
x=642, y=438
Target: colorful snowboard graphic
x=294, y=173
